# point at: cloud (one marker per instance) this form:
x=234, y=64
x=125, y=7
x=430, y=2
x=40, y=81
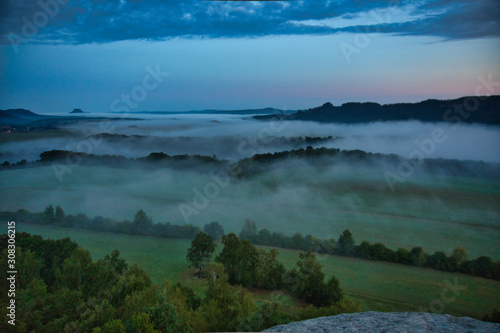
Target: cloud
x=87, y=21
x=451, y=20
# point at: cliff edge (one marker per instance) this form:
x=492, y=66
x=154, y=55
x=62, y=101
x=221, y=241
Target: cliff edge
x=375, y=322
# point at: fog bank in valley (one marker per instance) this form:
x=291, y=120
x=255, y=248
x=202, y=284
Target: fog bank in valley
x=288, y=196
x=233, y=137
x=296, y=197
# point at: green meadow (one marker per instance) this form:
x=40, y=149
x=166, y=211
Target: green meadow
x=436, y=213
x=377, y=286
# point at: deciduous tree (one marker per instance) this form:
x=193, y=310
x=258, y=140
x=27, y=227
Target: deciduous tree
x=202, y=248
x=214, y=229
x=346, y=243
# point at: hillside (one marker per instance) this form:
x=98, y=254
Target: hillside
x=487, y=111
x=24, y=120
x=377, y=286
x=18, y=117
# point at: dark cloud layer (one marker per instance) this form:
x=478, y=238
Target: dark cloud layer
x=86, y=21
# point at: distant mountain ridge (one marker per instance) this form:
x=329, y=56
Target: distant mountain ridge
x=18, y=116
x=22, y=119
x=263, y=111
x=482, y=110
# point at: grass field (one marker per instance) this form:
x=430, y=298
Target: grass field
x=436, y=213
x=377, y=286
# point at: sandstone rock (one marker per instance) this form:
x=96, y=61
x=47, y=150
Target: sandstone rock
x=374, y=322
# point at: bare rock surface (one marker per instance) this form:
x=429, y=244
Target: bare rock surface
x=378, y=322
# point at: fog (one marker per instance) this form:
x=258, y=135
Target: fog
x=294, y=195
x=235, y=137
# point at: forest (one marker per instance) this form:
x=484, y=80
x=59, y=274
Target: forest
x=60, y=288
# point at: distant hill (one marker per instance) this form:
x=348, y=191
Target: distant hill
x=18, y=117
x=77, y=111
x=487, y=111
x=22, y=120
x=259, y=164
x=263, y=111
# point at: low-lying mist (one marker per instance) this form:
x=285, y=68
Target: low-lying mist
x=233, y=137
x=438, y=211
x=433, y=211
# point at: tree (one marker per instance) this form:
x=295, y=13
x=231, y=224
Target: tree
x=215, y=273
x=439, y=261
x=402, y=256
x=240, y=259
x=483, y=266
x=27, y=265
x=296, y=241
x=95, y=314
x=114, y=263
x=59, y=215
x=202, y=248
x=268, y=314
x=76, y=270
x=113, y=326
x=346, y=243
x=132, y=280
x=333, y=293
x=224, y=306
x=311, y=277
x=214, y=229
x=264, y=237
x=142, y=223
x=364, y=250
x=378, y=251
x=311, y=287
x=249, y=230
x=418, y=256
x=142, y=323
x=269, y=270
x=106, y=272
x=48, y=215
x=458, y=256
x=248, y=262
x=165, y=317
x=229, y=256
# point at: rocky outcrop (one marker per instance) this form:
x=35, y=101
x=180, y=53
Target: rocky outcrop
x=373, y=322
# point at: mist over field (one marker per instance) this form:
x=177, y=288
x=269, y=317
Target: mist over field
x=322, y=197
x=230, y=166
x=235, y=137
x=318, y=197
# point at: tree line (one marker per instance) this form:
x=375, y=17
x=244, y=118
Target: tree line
x=142, y=224
x=241, y=264
x=259, y=163
x=262, y=163
x=153, y=160
x=61, y=289
x=345, y=245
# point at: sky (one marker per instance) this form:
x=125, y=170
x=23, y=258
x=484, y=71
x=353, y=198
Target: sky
x=140, y=55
